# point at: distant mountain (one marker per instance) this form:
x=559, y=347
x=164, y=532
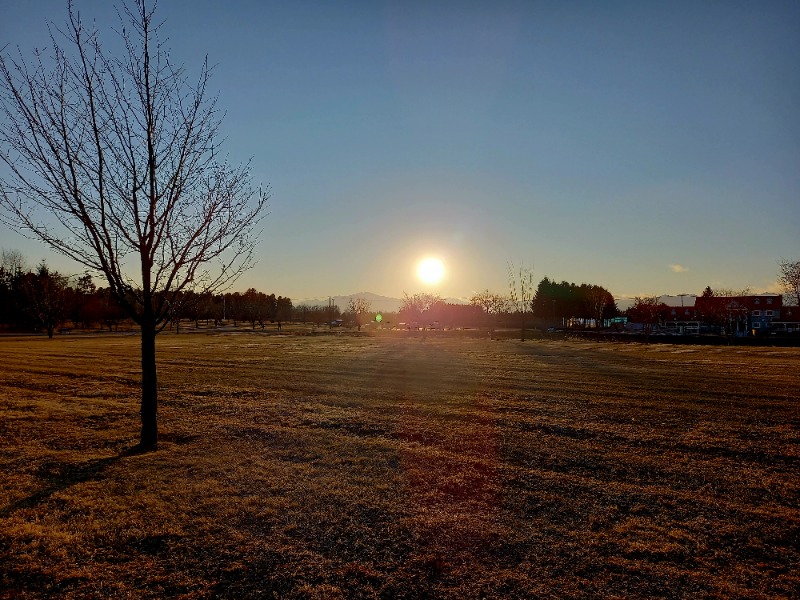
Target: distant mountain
x=377, y=302
x=389, y=304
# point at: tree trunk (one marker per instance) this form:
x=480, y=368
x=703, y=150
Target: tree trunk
x=149, y=388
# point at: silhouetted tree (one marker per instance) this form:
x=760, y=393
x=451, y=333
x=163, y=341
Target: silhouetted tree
x=491, y=304
x=648, y=310
x=789, y=278
x=79, y=301
x=45, y=297
x=11, y=267
x=359, y=307
x=520, y=283
x=599, y=303
x=13, y=262
x=283, y=309
x=114, y=162
x=111, y=313
x=413, y=308
x=554, y=302
x=255, y=307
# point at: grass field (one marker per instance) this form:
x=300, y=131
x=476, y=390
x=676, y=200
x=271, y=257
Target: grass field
x=397, y=467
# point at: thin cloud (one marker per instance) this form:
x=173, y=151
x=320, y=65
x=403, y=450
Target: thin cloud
x=678, y=268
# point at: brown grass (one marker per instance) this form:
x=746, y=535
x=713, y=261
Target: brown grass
x=396, y=467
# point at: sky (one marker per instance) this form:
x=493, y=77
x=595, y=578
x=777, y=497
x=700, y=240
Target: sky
x=648, y=147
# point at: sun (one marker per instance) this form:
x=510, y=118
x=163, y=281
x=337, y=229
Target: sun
x=430, y=270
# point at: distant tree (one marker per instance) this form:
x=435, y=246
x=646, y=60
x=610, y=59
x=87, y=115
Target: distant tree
x=185, y=305
x=86, y=284
x=91, y=310
x=451, y=315
x=13, y=262
x=648, y=310
x=413, y=308
x=283, y=309
x=707, y=293
x=332, y=312
x=556, y=302
x=317, y=314
x=300, y=313
x=111, y=313
x=45, y=297
x=204, y=309
x=599, y=303
x=216, y=309
x=320, y=314
x=520, y=284
x=12, y=266
x=732, y=292
x=359, y=307
x=115, y=163
x=79, y=301
x=255, y=307
x=547, y=294
x=789, y=278
x=233, y=307
x=491, y=304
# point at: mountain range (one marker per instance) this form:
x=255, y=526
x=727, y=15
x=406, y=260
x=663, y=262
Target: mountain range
x=389, y=304
x=377, y=302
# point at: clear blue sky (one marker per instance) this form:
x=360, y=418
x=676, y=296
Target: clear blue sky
x=650, y=147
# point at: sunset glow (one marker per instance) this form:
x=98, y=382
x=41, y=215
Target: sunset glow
x=430, y=270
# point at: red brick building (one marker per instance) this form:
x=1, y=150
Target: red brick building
x=740, y=315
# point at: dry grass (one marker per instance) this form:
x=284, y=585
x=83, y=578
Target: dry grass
x=392, y=467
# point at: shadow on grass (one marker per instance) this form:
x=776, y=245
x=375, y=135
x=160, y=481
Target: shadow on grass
x=62, y=476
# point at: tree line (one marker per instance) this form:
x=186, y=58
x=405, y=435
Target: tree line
x=551, y=304
x=42, y=299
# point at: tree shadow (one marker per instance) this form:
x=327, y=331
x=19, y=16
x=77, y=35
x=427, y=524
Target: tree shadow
x=62, y=476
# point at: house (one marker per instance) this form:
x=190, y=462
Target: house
x=788, y=323
x=682, y=319
x=740, y=315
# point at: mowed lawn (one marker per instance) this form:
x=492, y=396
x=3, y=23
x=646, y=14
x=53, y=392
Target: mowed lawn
x=399, y=467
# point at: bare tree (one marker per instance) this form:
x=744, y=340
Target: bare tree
x=789, y=278
x=491, y=304
x=520, y=283
x=648, y=310
x=415, y=306
x=114, y=162
x=12, y=262
x=358, y=307
x=731, y=292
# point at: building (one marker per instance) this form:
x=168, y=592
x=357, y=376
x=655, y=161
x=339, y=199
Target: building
x=788, y=323
x=740, y=315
